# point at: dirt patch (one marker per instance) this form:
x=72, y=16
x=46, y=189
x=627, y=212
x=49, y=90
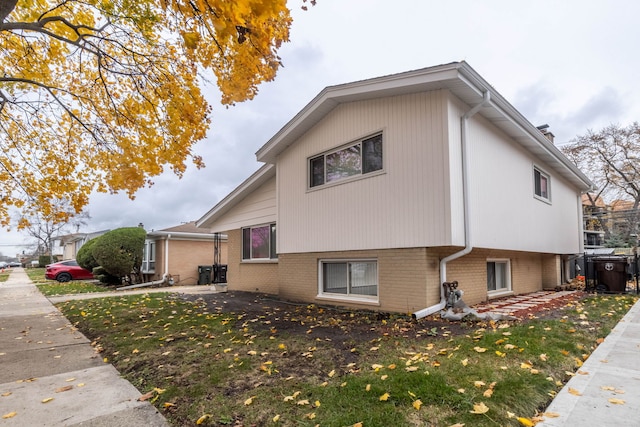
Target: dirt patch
x=345, y=327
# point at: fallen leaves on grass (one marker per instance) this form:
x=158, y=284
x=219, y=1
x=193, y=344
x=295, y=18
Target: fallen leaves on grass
x=480, y=408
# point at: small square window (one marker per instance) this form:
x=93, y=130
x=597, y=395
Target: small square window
x=541, y=183
x=498, y=276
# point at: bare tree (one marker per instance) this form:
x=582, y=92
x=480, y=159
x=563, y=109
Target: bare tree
x=611, y=159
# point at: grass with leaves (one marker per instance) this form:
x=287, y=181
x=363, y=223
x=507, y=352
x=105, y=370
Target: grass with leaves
x=53, y=288
x=202, y=365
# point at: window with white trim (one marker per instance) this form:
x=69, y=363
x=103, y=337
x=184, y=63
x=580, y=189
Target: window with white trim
x=542, y=184
x=498, y=275
x=352, y=278
x=259, y=242
x=361, y=158
x=149, y=257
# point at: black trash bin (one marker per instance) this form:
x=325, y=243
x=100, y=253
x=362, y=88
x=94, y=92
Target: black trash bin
x=219, y=273
x=204, y=274
x=611, y=274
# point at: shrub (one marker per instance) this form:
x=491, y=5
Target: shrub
x=119, y=252
x=85, y=257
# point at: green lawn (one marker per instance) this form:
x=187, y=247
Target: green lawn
x=199, y=364
x=53, y=288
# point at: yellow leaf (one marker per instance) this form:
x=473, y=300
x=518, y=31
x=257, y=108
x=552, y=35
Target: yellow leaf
x=500, y=354
x=543, y=357
x=276, y=418
x=461, y=390
x=384, y=397
x=574, y=392
x=479, y=408
x=311, y=415
x=457, y=425
x=357, y=425
x=368, y=387
x=479, y=383
x=168, y=404
x=384, y=377
x=332, y=373
x=417, y=404
x=616, y=401
x=526, y=422
x=47, y=400
x=9, y=415
x=488, y=393
x=302, y=402
x=464, y=362
x=282, y=346
x=376, y=367
x=480, y=349
x=203, y=419
x=249, y=401
x=550, y=414
x=316, y=403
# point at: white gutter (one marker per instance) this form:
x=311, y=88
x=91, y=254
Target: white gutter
x=464, y=123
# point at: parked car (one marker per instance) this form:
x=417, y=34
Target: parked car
x=15, y=264
x=3, y=264
x=63, y=271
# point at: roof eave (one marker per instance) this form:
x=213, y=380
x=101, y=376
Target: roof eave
x=258, y=178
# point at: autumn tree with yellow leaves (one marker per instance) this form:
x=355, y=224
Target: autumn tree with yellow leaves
x=103, y=95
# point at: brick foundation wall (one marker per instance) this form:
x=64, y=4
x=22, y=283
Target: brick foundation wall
x=248, y=276
x=407, y=278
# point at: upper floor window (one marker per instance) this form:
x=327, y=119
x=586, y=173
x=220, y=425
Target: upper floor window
x=259, y=242
x=541, y=181
x=357, y=159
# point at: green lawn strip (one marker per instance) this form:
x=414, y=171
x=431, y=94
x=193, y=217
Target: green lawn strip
x=221, y=368
x=53, y=288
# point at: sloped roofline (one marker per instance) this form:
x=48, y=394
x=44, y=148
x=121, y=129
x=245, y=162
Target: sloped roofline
x=461, y=80
x=257, y=179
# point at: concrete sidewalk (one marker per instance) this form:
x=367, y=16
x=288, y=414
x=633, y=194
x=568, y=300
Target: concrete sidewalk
x=43, y=357
x=606, y=389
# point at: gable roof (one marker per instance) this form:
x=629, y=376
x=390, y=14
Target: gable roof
x=461, y=80
x=257, y=179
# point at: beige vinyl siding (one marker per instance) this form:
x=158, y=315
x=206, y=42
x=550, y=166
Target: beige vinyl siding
x=505, y=213
x=404, y=206
x=259, y=207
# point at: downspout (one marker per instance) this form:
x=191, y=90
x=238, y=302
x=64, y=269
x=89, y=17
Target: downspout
x=165, y=277
x=464, y=124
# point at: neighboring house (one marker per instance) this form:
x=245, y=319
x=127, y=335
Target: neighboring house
x=378, y=191
x=67, y=246
x=603, y=221
x=177, y=253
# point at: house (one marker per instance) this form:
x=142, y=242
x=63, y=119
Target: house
x=379, y=191
x=66, y=247
x=180, y=253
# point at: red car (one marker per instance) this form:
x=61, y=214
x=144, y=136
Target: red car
x=64, y=271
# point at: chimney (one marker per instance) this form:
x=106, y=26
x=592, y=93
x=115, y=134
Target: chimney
x=546, y=132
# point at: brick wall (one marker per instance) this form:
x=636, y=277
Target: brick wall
x=551, y=271
x=248, y=276
x=407, y=278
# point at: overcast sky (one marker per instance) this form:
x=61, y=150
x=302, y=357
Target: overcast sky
x=570, y=64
